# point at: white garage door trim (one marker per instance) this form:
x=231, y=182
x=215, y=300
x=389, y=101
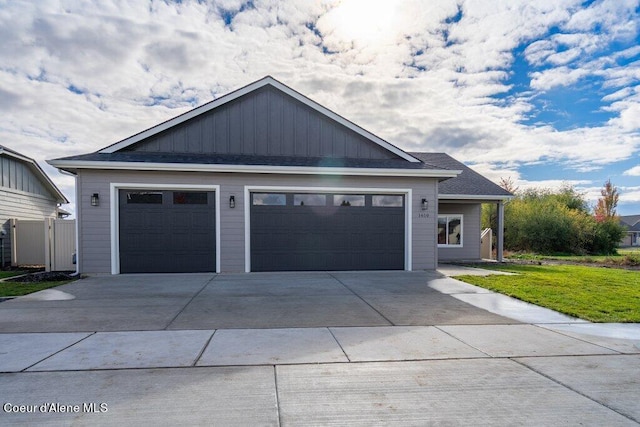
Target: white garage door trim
x=115, y=218
x=407, y=192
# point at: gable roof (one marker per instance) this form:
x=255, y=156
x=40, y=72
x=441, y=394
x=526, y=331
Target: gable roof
x=37, y=171
x=631, y=222
x=138, y=153
x=265, y=81
x=469, y=184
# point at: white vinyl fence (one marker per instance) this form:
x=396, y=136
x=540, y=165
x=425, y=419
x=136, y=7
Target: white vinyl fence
x=49, y=242
x=486, y=242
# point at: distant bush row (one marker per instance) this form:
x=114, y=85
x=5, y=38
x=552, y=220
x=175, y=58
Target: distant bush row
x=547, y=222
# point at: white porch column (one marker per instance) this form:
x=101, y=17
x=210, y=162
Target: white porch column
x=500, y=232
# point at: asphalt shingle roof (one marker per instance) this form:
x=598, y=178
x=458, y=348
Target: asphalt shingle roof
x=242, y=159
x=631, y=222
x=468, y=183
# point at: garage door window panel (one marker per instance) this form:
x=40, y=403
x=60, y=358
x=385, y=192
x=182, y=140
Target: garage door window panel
x=144, y=198
x=309, y=200
x=348, y=200
x=269, y=199
x=387, y=201
x=190, y=198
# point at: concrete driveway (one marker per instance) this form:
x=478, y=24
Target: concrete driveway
x=257, y=300
x=383, y=348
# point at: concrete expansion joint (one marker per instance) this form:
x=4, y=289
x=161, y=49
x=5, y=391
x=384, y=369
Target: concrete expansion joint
x=575, y=390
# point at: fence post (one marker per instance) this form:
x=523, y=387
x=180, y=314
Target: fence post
x=48, y=256
x=14, y=243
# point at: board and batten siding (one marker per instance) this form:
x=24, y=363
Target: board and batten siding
x=266, y=122
x=15, y=175
x=470, y=249
x=95, y=221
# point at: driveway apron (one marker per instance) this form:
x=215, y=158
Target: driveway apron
x=246, y=301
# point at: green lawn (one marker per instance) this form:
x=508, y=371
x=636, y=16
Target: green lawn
x=592, y=293
x=15, y=289
x=5, y=274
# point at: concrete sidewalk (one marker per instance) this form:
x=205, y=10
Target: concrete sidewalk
x=537, y=370
x=454, y=374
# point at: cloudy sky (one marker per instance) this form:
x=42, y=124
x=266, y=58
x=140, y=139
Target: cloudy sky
x=539, y=91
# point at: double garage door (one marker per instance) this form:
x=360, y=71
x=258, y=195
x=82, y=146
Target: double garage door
x=175, y=231
x=327, y=231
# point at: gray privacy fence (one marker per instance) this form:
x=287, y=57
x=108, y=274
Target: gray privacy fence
x=49, y=242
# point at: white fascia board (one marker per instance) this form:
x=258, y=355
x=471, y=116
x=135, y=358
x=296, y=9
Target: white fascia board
x=288, y=170
x=473, y=197
x=243, y=91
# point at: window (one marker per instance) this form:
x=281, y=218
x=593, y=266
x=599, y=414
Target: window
x=450, y=230
x=348, y=200
x=388, y=201
x=144, y=197
x=189, y=198
x=269, y=199
x=309, y=199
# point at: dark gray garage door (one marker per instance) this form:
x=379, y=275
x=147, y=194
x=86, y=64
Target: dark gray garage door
x=167, y=231
x=327, y=232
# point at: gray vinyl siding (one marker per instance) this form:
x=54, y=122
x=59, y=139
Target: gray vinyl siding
x=95, y=222
x=470, y=249
x=264, y=122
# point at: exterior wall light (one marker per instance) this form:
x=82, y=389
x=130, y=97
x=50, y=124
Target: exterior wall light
x=424, y=204
x=95, y=199
x=232, y=202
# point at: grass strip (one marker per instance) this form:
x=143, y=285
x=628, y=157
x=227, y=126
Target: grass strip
x=15, y=289
x=591, y=293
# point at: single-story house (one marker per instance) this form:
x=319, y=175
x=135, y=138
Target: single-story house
x=26, y=193
x=632, y=225
x=265, y=179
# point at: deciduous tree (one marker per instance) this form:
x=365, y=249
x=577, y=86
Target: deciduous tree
x=606, y=207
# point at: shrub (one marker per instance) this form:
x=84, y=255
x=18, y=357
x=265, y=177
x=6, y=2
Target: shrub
x=546, y=222
x=606, y=236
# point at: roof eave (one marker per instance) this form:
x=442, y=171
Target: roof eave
x=289, y=170
x=474, y=197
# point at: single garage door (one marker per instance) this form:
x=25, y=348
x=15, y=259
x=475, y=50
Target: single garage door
x=294, y=232
x=167, y=231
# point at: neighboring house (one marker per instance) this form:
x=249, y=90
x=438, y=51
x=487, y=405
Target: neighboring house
x=265, y=179
x=26, y=193
x=632, y=225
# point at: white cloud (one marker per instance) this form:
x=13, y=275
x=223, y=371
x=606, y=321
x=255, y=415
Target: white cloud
x=629, y=195
x=427, y=78
x=634, y=171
